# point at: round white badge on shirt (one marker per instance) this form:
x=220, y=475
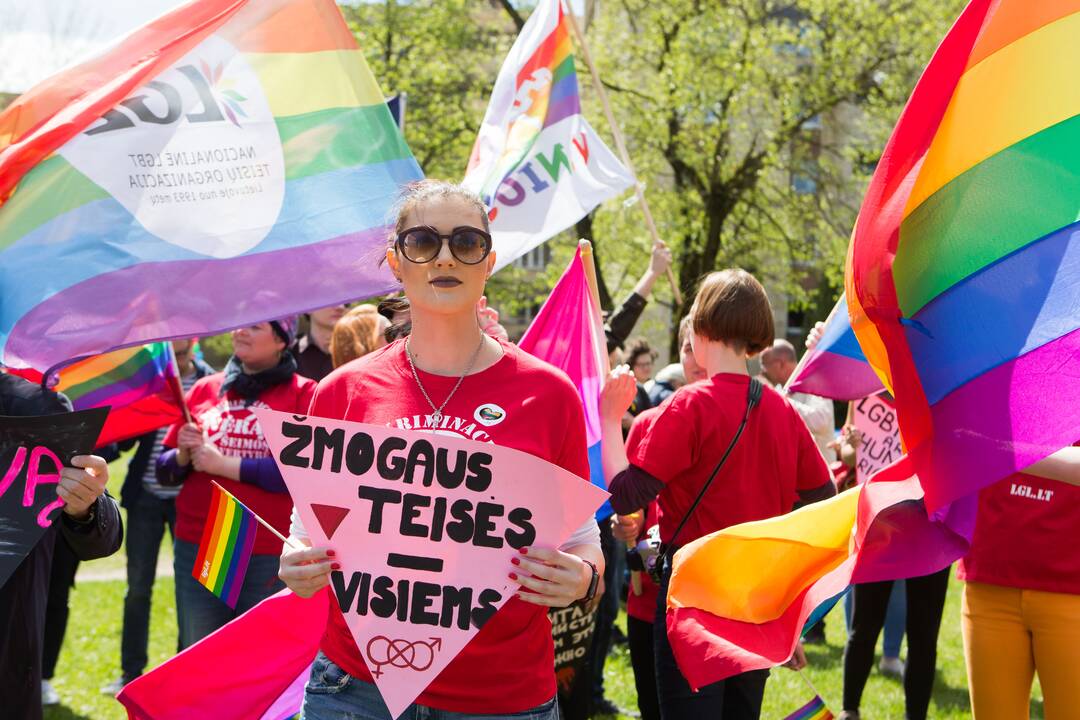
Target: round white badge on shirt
x=489, y=414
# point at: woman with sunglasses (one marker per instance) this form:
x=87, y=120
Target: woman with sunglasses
x=439, y=379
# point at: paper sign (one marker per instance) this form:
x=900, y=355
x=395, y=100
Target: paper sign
x=424, y=527
x=32, y=452
x=875, y=418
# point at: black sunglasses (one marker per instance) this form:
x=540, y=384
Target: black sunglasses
x=422, y=244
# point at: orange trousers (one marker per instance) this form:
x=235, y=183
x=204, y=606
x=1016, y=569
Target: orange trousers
x=1009, y=635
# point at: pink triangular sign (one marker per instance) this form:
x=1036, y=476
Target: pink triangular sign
x=375, y=472
x=329, y=517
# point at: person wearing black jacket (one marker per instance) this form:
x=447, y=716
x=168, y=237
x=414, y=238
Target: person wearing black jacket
x=151, y=508
x=89, y=523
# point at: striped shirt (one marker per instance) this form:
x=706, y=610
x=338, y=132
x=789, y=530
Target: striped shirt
x=150, y=482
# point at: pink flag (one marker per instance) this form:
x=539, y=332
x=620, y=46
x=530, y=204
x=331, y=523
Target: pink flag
x=569, y=334
x=255, y=667
x=837, y=367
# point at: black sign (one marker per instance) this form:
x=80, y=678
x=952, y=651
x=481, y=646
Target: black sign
x=572, y=629
x=32, y=452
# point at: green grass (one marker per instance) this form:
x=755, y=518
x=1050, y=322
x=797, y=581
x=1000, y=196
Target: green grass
x=91, y=658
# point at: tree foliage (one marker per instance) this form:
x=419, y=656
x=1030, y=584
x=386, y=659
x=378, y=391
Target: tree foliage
x=754, y=124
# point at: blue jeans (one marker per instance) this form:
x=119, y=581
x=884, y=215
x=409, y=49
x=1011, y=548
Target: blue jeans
x=333, y=694
x=147, y=519
x=895, y=619
x=199, y=612
x=737, y=698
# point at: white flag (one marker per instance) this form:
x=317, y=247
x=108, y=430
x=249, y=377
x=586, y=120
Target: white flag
x=537, y=163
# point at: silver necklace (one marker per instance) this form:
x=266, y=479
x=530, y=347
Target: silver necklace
x=437, y=416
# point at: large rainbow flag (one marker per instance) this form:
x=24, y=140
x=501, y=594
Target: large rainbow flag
x=781, y=575
x=568, y=333
x=964, y=269
x=537, y=162
x=233, y=160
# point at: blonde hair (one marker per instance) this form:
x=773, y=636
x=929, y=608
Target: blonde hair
x=355, y=334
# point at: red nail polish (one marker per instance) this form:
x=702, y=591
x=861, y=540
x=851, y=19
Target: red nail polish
x=515, y=561
x=335, y=566
x=513, y=576
x=330, y=553
x=524, y=551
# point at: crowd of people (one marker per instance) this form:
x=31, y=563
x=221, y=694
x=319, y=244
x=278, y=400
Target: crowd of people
x=695, y=447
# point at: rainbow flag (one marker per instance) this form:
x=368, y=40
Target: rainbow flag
x=568, y=333
x=537, y=162
x=964, y=268
x=225, y=548
x=140, y=385
x=118, y=378
x=172, y=186
x=813, y=710
x=781, y=575
x=836, y=368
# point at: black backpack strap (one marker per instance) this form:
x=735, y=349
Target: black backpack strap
x=753, y=397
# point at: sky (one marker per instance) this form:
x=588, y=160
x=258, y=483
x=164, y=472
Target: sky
x=40, y=37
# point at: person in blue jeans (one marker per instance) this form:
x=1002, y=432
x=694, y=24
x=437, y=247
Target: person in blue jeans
x=224, y=444
x=151, y=508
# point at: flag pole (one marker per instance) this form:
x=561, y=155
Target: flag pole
x=255, y=515
x=620, y=143
x=594, y=290
x=174, y=383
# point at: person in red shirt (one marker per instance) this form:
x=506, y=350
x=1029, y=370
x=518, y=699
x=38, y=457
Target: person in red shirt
x=449, y=377
x=774, y=465
x=225, y=444
x=1021, y=604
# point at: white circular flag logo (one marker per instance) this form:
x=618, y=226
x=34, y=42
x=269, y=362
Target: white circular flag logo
x=194, y=154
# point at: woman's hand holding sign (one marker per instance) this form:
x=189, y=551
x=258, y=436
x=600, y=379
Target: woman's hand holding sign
x=306, y=570
x=551, y=577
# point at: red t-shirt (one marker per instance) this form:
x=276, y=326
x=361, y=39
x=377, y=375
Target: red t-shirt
x=235, y=431
x=520, y=402
x=774, y=459
x=1025, y=536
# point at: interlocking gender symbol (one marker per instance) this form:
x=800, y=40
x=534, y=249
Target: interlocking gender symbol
x=404, y=654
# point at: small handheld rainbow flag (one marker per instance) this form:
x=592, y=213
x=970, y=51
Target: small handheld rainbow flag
x=225, y=549
x=813, y=710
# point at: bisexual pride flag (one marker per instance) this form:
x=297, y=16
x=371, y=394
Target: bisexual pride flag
x=836, y=367
x=537, y=163
x=232, y=161
x=568, y=333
